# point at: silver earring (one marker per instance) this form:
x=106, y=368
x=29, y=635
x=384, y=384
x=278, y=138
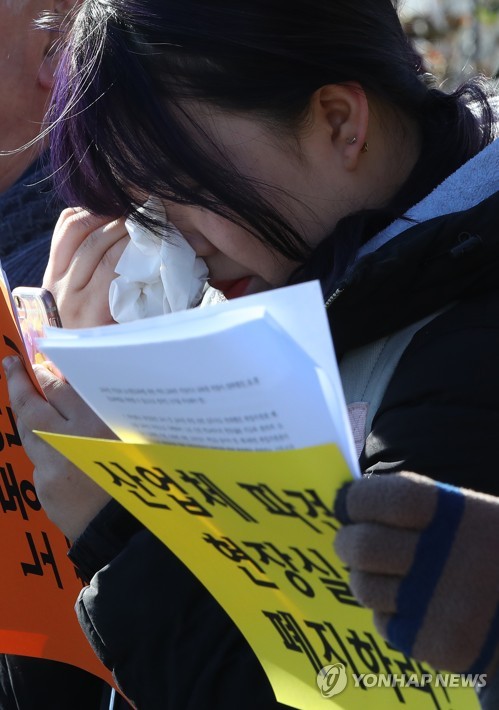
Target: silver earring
x=352, y=141
x=365, y=147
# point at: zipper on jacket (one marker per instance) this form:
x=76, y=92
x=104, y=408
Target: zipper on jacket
x=329, y=301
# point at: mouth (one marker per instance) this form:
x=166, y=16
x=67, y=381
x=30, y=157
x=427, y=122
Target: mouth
x=233, y=288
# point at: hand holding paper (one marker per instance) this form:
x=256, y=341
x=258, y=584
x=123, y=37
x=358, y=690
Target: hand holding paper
x=68, y=496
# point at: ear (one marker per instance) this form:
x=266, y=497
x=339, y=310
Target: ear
x=343, y=109
x=49, y=64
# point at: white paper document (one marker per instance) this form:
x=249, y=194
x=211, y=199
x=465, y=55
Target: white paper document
x=255, y=373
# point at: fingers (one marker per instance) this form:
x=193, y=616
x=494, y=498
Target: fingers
x=418, y=552
x=80, y=243
x=373, y=548
x=75, y=416
x=85, y=251
x=404, y=500
x=100, y=250
x=375, y=591
x=30, y=409
x=379, y=558
x=60, y=395
x=72, y=228
x=69, y=497
x=63, y=411
x=28, y=405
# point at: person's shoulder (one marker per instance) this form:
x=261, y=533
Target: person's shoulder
x=454, y=354
x=469, y=319
x=439, y=414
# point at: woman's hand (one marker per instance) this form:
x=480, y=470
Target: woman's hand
x=423, y=556
x=69, y=497
x=84, y=252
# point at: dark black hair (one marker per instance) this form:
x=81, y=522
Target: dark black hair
x=120, y=133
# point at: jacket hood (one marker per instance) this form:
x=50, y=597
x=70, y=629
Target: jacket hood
x=444, y=249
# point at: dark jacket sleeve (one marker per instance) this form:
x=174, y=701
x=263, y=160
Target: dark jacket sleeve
x=169, y=644
x=440, y=414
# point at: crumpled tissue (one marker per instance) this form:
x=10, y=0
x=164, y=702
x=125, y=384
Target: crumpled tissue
x=158, y=275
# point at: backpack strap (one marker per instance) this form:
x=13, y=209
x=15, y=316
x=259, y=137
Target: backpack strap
x=366, y=372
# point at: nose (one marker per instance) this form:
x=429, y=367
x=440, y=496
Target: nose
x=201, y=245
x=188, y=220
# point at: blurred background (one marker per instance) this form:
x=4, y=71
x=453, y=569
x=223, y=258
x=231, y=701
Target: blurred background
x=459, y=38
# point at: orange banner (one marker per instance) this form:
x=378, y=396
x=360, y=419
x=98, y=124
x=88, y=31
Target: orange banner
x=39, y=583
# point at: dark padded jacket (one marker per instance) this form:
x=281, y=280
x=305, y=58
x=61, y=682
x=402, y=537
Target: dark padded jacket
x=169, y=644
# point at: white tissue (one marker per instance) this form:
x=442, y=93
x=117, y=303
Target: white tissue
x=158, y=275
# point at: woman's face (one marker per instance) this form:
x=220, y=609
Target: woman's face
x=292, y=183
x=238, y=263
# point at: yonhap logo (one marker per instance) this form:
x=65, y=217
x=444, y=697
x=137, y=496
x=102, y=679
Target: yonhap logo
x=332, y=680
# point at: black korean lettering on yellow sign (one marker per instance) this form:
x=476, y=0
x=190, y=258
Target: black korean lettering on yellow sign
x=360, y=652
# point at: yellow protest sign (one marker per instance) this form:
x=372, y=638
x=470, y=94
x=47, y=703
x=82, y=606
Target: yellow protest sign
x=257, y=530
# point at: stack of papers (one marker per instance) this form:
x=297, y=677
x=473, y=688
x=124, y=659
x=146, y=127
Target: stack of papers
x=255, y=374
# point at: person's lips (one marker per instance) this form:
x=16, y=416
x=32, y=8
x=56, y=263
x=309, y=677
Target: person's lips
x=232, y=288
